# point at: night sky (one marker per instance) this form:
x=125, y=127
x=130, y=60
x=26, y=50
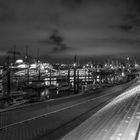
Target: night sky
x=63, y=28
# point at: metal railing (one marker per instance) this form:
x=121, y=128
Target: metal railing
x=137, y=137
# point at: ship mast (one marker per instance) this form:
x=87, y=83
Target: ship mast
x=27, y=63
x=38, y=64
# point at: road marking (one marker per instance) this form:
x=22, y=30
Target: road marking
x=44, y=115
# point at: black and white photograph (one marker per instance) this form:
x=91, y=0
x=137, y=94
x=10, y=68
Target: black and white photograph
x=69, y=70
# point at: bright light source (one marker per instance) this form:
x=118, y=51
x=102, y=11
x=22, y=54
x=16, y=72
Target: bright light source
x=19, y=61
x=74, y=64
x=21, y=66
x=105, y=65
x=33, y=66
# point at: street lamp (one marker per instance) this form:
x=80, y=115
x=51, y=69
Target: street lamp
x=50, y=77
x=78, y=81
x=68, y=76
x=74, y=77
x=85, y=74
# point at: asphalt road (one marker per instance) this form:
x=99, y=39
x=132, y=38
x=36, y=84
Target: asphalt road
x=28, y=112
x=42, y=119
x=118, y=120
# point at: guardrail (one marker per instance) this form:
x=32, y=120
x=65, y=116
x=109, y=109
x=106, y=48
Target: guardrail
x=137, y=137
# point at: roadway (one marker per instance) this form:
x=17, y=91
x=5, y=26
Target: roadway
x=42, y=119
x=29, y=111
x=118, y=120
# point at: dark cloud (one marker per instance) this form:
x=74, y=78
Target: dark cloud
x=84, y=27
x=126, y=27
x=56, y=38
x=60, y=48
x=56, y=41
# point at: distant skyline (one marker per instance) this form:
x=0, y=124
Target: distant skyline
x=64, y=28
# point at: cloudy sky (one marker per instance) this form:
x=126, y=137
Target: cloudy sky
x=63, y=28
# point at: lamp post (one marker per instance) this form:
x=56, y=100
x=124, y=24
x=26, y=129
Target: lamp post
x=88, y=76
x=50, y=77
x=88, y=73
x=27, y=63
x=28, y=73
x=78, y=81
x=74, y=77
x=68, y=78
x=85, y=73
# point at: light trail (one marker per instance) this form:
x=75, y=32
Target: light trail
x=125, y=95
x=118, y=120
